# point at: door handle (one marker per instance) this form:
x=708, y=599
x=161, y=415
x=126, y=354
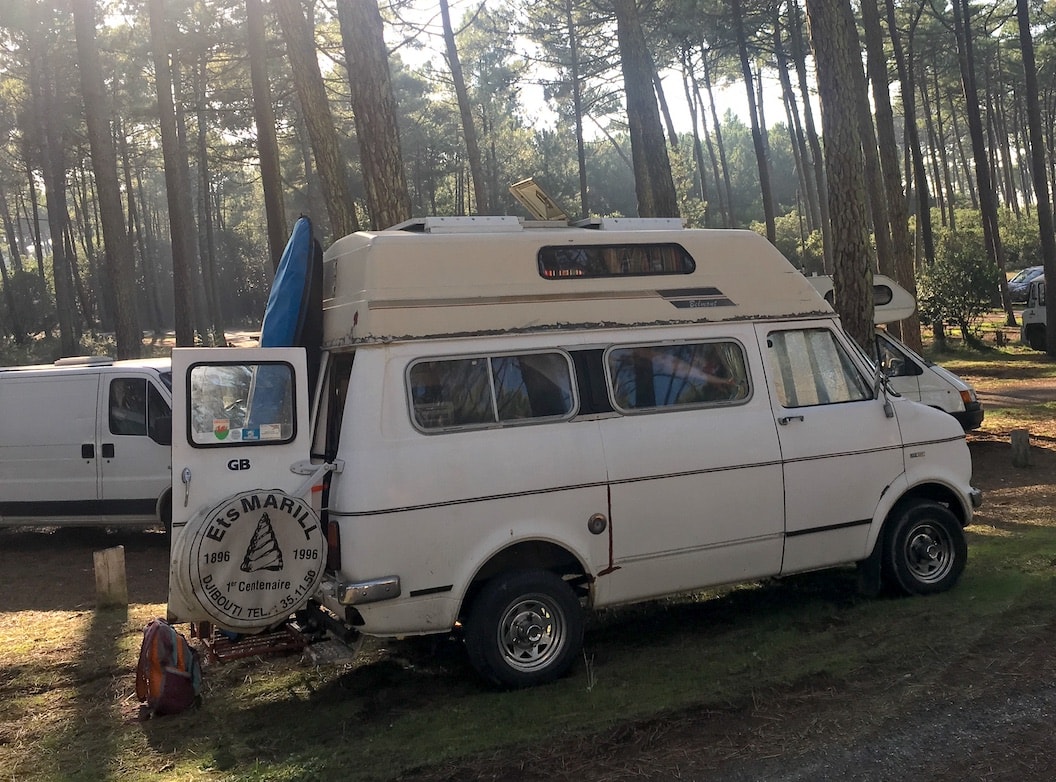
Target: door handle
x=786, y=419
x=108, y=450
x=87, y=450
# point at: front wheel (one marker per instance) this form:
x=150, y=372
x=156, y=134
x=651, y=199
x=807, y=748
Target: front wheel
x=926, y=550
x=525, y=628
x=1036, y=337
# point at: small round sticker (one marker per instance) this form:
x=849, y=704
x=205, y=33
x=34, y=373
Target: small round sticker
x=256, y=558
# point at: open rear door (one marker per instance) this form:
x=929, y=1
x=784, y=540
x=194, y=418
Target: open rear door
x=247, y=546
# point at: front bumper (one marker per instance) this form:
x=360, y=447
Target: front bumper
x=971, y=417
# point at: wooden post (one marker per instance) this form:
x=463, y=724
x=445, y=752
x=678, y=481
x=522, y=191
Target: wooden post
x=1021, y=448
x=111, y=588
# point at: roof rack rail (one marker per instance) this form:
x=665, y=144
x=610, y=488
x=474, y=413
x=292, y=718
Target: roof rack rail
x=631, y=223
x=458, y=225
x=83, y=361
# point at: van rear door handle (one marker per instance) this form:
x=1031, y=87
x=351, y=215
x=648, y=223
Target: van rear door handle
x=87, y=450
x=786, y=419
x=108, y=450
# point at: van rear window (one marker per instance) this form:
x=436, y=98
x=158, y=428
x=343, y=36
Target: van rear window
x=490, y=390
x=241, y=404
x=613, y=260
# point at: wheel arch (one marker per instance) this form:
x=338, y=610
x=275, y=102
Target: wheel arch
x=935, y=492
x=163, y=509
x=531, y=554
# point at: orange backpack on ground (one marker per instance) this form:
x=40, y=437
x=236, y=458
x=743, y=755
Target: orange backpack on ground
x=169, y=673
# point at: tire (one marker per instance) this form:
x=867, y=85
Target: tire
x=1036, y=337
x=525, y=628
x=925, y=551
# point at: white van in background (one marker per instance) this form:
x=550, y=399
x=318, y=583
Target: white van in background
x=909, y=373
x=85, y=442
x=1032, y=319
x=516, y=423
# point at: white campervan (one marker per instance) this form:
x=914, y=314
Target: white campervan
x=85, y=441
x=907, y=372
x=513, y=424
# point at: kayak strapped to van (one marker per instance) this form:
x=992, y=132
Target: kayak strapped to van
x=907, y=372
x=519, y=422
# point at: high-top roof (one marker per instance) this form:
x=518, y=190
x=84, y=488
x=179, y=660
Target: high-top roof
x=448, y=277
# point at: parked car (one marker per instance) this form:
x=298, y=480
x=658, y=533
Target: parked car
x=1020, y=284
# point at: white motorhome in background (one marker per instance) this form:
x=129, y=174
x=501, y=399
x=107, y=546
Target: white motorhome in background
x=515, y=423
x=85, y=442
x=909, y=373
x=1032, y=320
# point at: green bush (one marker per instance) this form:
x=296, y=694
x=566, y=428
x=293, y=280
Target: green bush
x=959, y=288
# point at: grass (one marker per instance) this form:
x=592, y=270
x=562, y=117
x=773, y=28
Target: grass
x=67, y=708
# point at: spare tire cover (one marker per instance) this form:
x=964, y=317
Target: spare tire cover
x=252, y=560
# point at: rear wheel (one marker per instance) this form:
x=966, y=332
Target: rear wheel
x=925, y=550
x=525, y=628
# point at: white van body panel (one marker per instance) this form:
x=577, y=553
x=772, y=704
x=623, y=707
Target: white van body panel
x=60, y=463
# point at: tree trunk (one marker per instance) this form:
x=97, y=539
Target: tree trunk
x=267, y=142
x=909, y=108
x=963, y=170
x=308, y=81
x=698, y=149
x=796, y=42
x=933, y=153
x=476, y=167
x=901, y=241
x=206, y=239
x=374, y=109
x=1037, y=161
x=577, y=106
x=837, y=54
x=761, y=158
x=942, y=171
x=177, y=186
x=729, y=216
x=120, y=268
x=48, y=124
x=991, y=232
x=804, y=164
x=653, y=183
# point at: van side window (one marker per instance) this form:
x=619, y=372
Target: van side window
x=128, y=406
x=613, y=260
x=811, y=368
x=482, y=391
x=648, y=377
x=241, y=404
x=159, y=417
